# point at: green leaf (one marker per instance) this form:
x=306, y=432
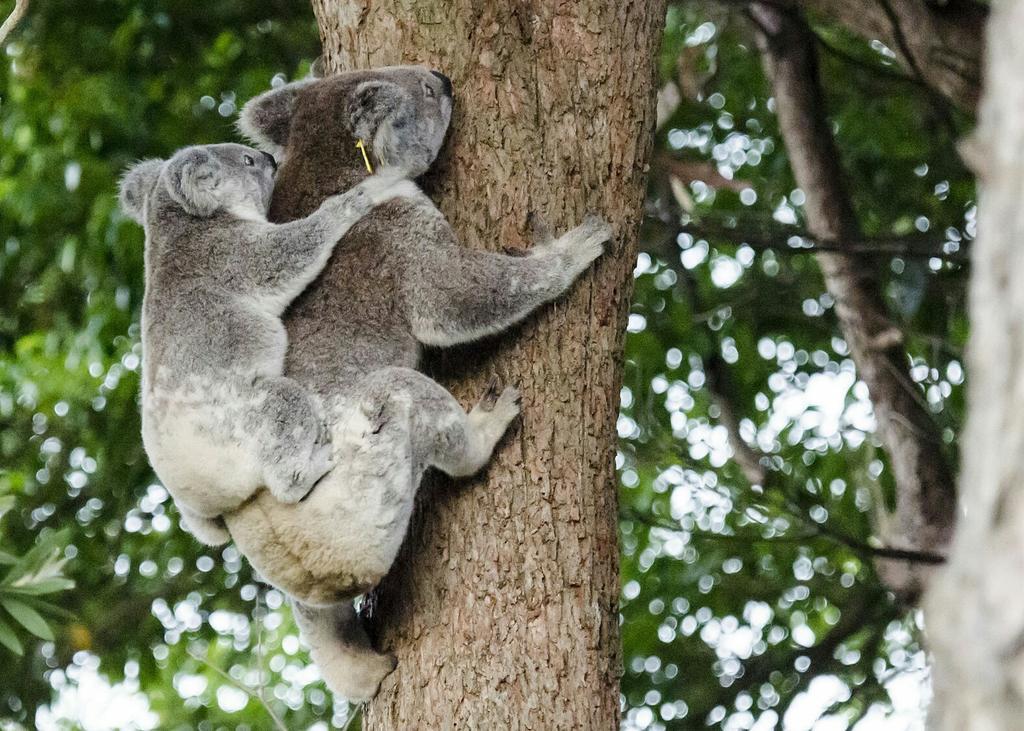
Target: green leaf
x=6, y=503
x=46, y=551
x=44, y=586
x=46, y=608
x=28, y=618
x=10, y=640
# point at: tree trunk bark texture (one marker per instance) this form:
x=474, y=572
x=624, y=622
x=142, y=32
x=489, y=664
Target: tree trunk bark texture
x=975, y=611
x=925, y=487
x=502, y=606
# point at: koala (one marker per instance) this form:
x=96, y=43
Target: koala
x=399, y=281
x=219, y=420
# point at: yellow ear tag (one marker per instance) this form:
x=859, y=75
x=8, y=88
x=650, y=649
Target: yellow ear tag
x=366, y=158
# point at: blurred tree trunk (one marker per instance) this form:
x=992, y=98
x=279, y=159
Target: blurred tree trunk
x=975, y=612
x=502, y=607
x=925, y=489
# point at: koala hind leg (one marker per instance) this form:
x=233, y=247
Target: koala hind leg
x=291, y=436
x=341, y=649
x=441, y=433
x=485, y=424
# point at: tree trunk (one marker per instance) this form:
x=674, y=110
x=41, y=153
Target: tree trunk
x=502, y=607
x=925, y=488
x=975, y=612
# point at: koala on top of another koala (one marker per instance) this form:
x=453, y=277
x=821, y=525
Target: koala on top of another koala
x=219, y=421
x=399, y=281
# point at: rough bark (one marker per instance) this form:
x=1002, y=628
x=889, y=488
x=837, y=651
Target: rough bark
x=975, y=611
x=941, y=44
x=502, y=607
x=925, y=490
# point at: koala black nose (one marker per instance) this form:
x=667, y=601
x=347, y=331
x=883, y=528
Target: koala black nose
x=270, y=158
x=445, y=81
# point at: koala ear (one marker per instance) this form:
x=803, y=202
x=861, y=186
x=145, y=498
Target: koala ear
x=317, y=70
x=267, y=118
x=369, y=104
x=136, y=184
x=192, y=180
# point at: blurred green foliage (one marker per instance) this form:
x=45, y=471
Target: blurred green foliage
x=735, y=600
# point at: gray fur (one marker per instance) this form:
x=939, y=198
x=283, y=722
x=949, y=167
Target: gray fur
x=219, y=419
x=400, y=281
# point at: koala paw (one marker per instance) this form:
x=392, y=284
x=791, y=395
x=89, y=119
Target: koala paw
x=294, y=485
x=497, y=407
x=585, y=243
x=320, y=463
x=387, y=184
x=356, y=678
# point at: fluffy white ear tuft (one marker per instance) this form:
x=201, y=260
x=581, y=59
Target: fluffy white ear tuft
x=135, y=187
x=193, y=179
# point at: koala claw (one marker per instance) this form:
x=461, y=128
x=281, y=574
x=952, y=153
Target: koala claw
x=501, y=408
x=496, y=408
x=507, y=407
x=490, y=397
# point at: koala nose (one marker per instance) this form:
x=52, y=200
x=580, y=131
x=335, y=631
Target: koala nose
x=445, y=81
x=270, y=158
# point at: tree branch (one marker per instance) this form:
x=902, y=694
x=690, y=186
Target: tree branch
x=251, y=692
x=816, y=532
x=778, y=238
x=925, y=492
x=942, y=46
x=20, y=8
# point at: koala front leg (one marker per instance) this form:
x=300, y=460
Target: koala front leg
x=458, y=295
x=280, y=260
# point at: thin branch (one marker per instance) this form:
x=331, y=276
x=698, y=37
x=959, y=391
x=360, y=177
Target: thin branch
x=896, y=554
x=778, y=239
x=20, y=8
x=901, y=41
x=815, y=532
x=258, y=615
x=355, y=711
x=278, y=723
x=877, y=70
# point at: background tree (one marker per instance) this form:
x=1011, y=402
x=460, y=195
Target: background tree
x=743, y=603
x=975, y=617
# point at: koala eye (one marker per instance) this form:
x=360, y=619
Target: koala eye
x=428, y=92
x=248, y=160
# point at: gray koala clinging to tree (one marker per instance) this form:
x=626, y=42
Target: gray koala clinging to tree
x=219, y=419
x=399, y=281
